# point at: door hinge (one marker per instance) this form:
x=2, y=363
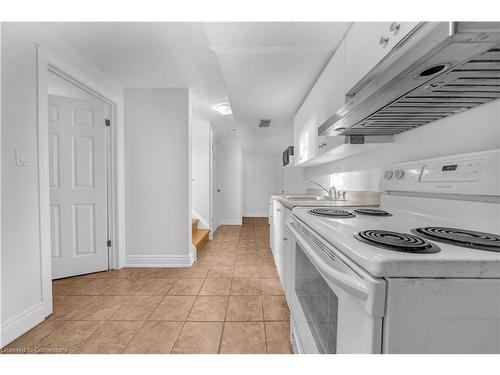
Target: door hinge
x=107, y=122
x=109, y=243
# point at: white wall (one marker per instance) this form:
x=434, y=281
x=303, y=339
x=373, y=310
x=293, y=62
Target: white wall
x=23, y=303
x=231, y=181
x=474, y=130
x=158, y=176
x=259, y=181
x=200, y=160
x=291, y=179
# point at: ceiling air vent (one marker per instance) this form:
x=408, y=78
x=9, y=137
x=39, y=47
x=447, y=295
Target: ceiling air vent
x=264, y=123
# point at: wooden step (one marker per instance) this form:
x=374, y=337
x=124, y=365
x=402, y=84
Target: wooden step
x=194, y=224
x=200, y=238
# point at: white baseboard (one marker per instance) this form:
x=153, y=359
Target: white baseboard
x=154, y=260
x=192, y=254
x=231, y=221
x=256, y=214
x=21, y=324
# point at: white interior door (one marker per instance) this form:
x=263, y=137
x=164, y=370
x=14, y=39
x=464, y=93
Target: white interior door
x=78, y=189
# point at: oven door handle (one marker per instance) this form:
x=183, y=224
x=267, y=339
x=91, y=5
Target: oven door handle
x=350, y=284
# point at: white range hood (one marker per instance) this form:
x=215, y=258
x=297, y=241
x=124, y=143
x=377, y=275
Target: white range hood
x=439, y=69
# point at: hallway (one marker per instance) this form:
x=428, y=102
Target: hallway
x=230, y=301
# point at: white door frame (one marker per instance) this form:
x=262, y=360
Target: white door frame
x=46, y=61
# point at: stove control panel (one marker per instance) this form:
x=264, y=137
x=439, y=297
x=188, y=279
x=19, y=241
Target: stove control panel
x=388, y=175
x=472, y=174
x=453, y=171
x=399, y=173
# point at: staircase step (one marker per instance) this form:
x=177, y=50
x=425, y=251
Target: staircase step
x=194, y=224
x=200, y=238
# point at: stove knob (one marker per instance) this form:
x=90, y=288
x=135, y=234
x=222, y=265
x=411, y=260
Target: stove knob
x=388, y=175
x=399, y=174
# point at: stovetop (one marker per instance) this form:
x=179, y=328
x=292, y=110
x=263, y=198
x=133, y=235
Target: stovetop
x=388, y=246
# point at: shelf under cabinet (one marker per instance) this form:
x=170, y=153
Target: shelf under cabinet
x=346, y=150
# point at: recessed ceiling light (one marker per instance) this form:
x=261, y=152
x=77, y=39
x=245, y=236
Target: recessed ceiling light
x=223, y=108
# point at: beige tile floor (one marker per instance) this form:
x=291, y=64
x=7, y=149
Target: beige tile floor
x=230, y=301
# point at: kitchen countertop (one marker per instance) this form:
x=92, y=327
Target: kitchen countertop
x=353, y=199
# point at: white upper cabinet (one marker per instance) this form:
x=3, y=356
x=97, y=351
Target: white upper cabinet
x=324, y=99
x=305, y=129
x=364, y=46
x=332, y=85
x=367, y=43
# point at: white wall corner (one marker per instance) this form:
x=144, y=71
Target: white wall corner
x=203, y=224
x=192, y=254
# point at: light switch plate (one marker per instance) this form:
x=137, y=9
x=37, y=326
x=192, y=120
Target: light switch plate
x=21, y=158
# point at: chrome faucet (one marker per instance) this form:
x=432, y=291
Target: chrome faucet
x=332, y=192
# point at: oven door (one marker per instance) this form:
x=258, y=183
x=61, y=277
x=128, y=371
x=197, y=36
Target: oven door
x=336, y=307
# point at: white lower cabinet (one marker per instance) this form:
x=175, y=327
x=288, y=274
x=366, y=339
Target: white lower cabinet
x=278, y=238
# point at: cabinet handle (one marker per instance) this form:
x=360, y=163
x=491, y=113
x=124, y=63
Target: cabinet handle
x=383, y=40
x=394, y=28
x=285, y=239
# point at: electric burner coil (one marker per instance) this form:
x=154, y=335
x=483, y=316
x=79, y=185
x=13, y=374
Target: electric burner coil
x=402, y=242
x=372, y=211
x=331, y=212
x=461, y=237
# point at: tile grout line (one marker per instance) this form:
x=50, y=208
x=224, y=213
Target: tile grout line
x=133, y=336
x=226, y=241
x=185, y=319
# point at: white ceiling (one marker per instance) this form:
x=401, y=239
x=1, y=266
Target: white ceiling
x=153, y=54
x=268, y=68
x=263, y=69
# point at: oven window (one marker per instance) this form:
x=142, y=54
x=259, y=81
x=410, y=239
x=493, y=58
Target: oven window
x=319, y=303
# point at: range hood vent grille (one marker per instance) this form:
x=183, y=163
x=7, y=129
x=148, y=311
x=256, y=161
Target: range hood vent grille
x=439, y=70
x=459, y=89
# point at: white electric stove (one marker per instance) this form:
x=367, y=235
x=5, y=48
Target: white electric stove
x=420, y=274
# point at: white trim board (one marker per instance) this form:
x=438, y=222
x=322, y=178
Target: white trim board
x=46, y=61
x=50, y=62
x=231, y=221
x=256, y=214
x=22, y=323
x=155, y=260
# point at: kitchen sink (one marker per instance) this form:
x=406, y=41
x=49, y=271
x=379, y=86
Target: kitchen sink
x=310, y=198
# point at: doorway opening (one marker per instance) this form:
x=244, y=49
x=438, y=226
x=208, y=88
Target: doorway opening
x=79, y=178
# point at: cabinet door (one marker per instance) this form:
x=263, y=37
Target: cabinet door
x=277, y=230
x=306, y=128
x=299, y=139
x=279, y=255
x=363, y=49
x=333, y=95
x=333, y=86
x=398, y=30
x=367, y=43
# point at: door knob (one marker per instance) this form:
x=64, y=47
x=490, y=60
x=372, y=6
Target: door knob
x=394, y=28
x=383, y=40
